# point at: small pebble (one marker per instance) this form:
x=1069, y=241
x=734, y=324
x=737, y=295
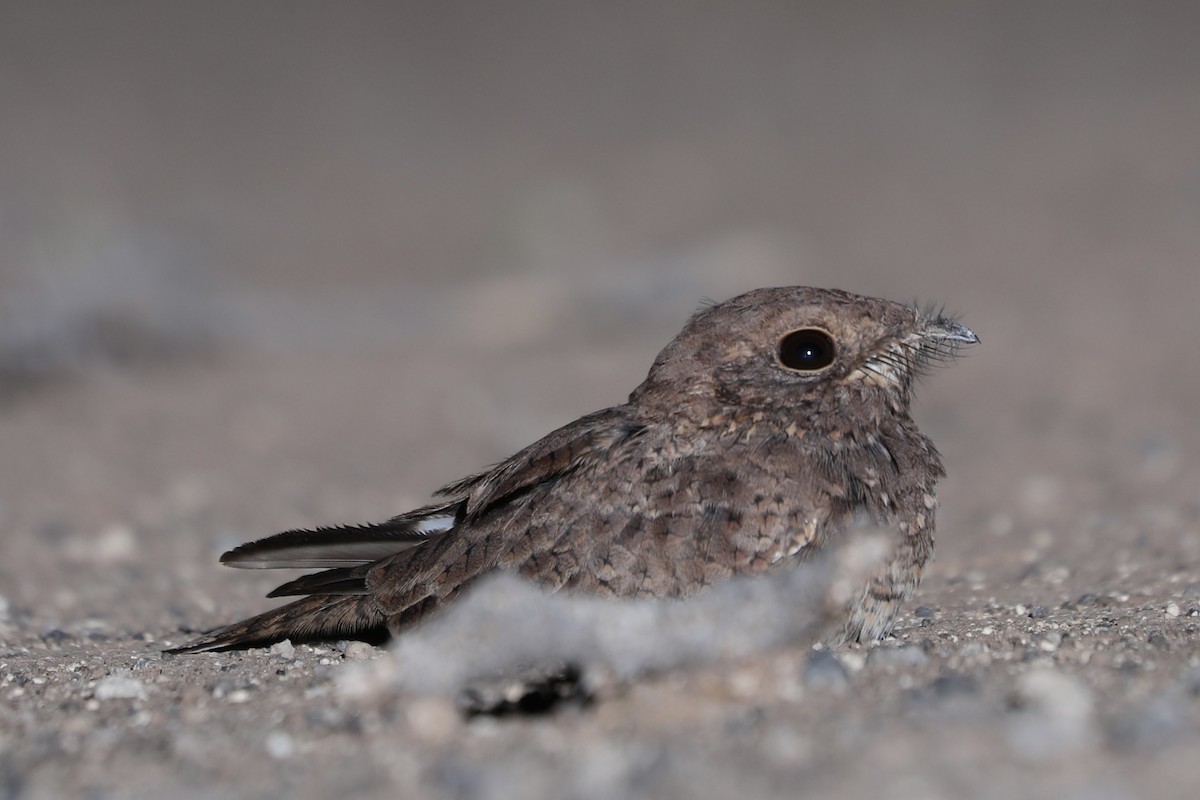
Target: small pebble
x=909, y=655
x=1173, y=610
x=824, y=672
x=1055, y=716
x=1050, y=641
x=359, y=651
x=280, y=745
x=238, y=696
x=284, y=650
x=55, y=636
x=1058, y=575
x=1038, y=612
x=853, y=661
x=975, y=654
x=119, y=687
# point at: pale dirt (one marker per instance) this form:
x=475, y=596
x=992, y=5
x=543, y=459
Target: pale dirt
x=381, y=325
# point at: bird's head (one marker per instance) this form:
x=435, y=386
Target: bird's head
x=803, y=348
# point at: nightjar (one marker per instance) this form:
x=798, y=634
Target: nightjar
x=768, y=425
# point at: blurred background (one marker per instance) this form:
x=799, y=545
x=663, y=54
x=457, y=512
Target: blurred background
x=327, y=175
x=278, y=263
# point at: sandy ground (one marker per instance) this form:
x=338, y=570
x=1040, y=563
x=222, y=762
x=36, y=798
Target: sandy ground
x=253, y=319
x=1052, y=651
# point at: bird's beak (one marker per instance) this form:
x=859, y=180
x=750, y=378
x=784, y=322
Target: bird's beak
x=948, y=330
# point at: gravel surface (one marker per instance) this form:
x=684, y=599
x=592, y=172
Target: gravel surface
x=237, y=298
x=1052, y=650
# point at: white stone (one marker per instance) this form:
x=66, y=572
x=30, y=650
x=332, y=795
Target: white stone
x=119, y=687
x=280, y=745
x=285, y=650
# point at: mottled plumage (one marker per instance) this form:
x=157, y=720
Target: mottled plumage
x=768, y=424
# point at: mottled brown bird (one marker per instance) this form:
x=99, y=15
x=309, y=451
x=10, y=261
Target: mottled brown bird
x=767, y=425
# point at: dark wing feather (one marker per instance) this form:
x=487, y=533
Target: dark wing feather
x=343, y=580
x=344, y=546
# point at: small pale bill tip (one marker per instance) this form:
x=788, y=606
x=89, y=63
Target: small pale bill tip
x=953, y=331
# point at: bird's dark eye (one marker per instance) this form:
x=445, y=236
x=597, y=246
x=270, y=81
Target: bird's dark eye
x=807, y=350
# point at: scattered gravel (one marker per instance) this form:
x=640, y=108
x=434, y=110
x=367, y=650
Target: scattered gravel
x=491, y=233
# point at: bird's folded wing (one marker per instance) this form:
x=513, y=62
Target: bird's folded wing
x=564, y=450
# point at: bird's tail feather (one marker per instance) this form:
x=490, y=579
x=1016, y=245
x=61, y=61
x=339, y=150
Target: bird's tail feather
x=345, y=580
x=320, y=617
x=347, y=546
